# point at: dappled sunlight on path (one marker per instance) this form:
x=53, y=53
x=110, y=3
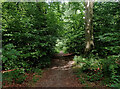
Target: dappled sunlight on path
x=60, y=74
x=64, y=67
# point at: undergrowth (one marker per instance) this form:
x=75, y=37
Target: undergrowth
x=19, y=76
x=95, y=69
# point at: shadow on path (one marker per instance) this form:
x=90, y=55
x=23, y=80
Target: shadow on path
x=60, y=73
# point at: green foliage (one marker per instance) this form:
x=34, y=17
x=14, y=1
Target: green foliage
x=116, y=86
x=96, y=69
x=60, y=45
x=10, y=56
x=17, y=76
x=102, y=63
x=87, y=63
x=80, y=77
x=110, y=69
x=91, y=66
x=29, y=32
x=32, y=28
x=74, y=28
x=106, y=28
x=79, y=60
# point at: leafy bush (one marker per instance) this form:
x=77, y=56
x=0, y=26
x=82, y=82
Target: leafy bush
x=33, y=29
x=17, y=76
x=100, y=69
x=110, y=69
x=74, y=29
x=29, y=32
x=10, y=57
x=60, y=45
x=88, y=63
x=117, y=85
x=106, y=28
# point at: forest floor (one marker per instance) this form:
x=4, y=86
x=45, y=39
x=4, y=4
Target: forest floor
x=60, y=73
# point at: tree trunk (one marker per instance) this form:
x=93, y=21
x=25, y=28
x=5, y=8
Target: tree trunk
x=89, y=44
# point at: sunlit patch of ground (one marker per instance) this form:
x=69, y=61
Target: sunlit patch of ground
x=64, y=67
x=60, y=74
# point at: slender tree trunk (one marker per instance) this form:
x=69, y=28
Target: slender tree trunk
x=89, y=44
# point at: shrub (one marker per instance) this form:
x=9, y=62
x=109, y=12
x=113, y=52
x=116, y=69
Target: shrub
x=10, y=57
x=110, y=68
x=17, y=76
x=100, y=69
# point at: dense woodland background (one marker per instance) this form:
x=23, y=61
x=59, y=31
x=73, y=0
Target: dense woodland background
x=33, y=32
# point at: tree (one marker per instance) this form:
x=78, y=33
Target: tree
x=88, y=26
x=32, y=30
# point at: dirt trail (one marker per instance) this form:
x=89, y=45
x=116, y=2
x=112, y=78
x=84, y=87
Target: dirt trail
x=60, y=74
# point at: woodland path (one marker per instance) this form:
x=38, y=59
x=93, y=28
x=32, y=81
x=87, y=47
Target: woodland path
x=60, y=73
